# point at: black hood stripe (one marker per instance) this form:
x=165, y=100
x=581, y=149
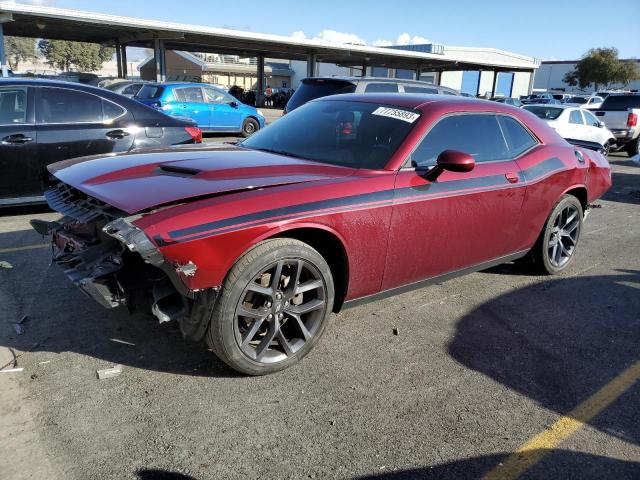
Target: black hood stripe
x=370, y=200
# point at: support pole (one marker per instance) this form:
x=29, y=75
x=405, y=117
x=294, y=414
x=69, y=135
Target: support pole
x=119, y=59
x=125, y=73
x=440, y=72
x=159, y=54
x=364, y=69
x=495, y=82
x=531, y=77
x=3, y=61
x=311, y=65
x=260, y=86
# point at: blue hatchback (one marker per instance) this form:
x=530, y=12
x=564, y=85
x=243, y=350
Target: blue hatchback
x=213, y=109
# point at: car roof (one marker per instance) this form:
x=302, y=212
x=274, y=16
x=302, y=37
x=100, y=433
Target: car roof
x=181, y=84
x=561, y=106
x=379, y=79
x=406, y=100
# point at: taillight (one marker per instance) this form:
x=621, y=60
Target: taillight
x=632, y=119
x=195, y=132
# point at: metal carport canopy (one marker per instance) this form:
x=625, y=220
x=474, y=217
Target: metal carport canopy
x=64, y=24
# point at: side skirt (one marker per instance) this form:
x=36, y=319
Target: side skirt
x=430, y=281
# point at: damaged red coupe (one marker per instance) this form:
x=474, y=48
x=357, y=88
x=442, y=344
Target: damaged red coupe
x=348, y=198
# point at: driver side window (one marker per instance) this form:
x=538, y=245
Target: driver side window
x=215, y=96
x=479, y=135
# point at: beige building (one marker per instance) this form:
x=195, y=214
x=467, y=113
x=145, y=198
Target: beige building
x=223, y=70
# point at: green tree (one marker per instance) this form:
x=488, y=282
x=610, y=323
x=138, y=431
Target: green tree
x=85, y=57
x=602, y=68
x=19, y=49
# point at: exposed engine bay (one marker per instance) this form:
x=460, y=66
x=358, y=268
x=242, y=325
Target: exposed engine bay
x=113, y=262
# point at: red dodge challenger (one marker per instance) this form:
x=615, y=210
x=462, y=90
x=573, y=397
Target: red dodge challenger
x=348, y=198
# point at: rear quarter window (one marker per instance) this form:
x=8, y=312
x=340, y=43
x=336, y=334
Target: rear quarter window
x=381, y=88
x=149, y=92
x=621, y=102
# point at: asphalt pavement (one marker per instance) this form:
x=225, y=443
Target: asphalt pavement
x=482, y=367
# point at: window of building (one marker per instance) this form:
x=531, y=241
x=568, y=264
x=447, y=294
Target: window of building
x=379, y=72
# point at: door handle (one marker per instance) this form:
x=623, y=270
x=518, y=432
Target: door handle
x=116, y=134
x=16, y=139
x=512, y=177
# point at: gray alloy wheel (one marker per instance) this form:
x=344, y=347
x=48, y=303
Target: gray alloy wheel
x=280, y=310
x=249, y=127
x=557, y=243
x=563, y=236
x=273, y=307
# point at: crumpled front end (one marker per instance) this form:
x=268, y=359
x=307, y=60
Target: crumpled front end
x=112, y=261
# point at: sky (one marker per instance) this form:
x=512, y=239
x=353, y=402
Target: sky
x=545, y=29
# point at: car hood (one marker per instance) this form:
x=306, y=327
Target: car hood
x=139, y=180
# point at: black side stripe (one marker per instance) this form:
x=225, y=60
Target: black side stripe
x=385, y=197
x=277, y=212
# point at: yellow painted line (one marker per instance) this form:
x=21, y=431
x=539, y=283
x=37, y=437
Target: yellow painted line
x=26, y=247
x=536, y=448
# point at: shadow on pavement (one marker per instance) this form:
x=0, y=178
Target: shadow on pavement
x=559, y=342
x=625, y=189
x=557, y=464
x=147, y=474
x=60, y=319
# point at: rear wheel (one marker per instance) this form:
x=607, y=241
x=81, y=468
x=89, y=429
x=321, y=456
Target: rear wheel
x=555, y=248
x=273, y=307
x=249, y=127
x=633, y=147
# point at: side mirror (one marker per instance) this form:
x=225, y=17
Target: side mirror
x=233, y=103
x=452, y=161
x=600, y=124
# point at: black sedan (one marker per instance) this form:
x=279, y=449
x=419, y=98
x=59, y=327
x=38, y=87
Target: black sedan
x=43, y=122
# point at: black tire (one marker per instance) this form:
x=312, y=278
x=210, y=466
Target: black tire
x=633, y=147
x=543, y=257
x=249, y=127
x=265, y=351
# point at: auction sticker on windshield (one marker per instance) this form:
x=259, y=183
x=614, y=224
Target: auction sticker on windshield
x=396, y=113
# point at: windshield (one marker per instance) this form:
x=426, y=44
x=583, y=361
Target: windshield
x=343, y=133
x=545, y=113
x=150, y=91
x=311, y=89
x=579, y=100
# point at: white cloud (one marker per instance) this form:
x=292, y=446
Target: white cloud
x=403, y=39
x=341, y=38
x=333, y=37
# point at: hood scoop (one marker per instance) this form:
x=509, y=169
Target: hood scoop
x=177, y=171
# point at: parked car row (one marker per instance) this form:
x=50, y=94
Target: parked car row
x=45, y=121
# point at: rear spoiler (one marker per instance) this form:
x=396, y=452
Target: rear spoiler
x=585, y=144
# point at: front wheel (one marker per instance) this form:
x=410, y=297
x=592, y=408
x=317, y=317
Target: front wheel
x=273, y=307
x=555, y=248
x=249, y=127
